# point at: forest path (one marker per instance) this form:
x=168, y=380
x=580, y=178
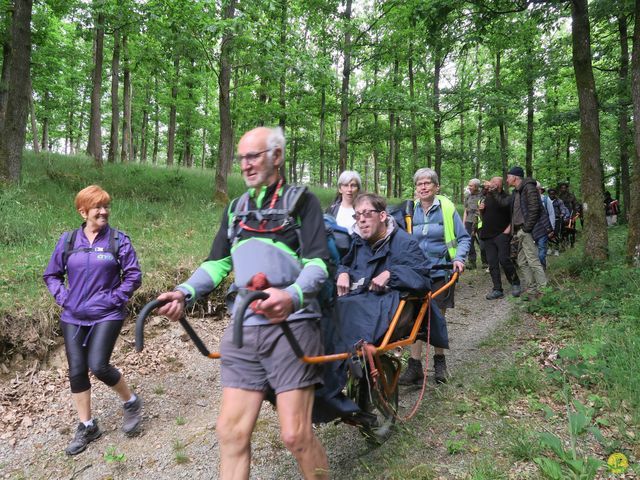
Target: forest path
x=181, y=391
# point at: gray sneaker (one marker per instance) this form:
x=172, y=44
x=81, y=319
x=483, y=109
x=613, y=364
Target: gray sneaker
x=516, y=290
x=83, y=437
x=440, y=367
x=132, y=416
x=494, y=295
x=413, y=375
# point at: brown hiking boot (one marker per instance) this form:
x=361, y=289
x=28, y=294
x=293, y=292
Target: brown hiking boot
x=413, y=375
x=440, y=367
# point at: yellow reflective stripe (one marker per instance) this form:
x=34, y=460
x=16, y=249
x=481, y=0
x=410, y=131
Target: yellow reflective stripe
x=448, y=210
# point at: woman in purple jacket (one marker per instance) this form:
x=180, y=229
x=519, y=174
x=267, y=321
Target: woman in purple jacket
x=102, y=272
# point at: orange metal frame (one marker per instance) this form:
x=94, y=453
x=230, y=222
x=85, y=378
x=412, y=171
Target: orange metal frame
x=385, y=344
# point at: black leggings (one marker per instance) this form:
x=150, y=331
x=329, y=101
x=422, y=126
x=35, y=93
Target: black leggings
x=90, y=348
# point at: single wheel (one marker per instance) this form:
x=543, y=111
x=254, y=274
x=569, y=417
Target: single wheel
x=380, y=402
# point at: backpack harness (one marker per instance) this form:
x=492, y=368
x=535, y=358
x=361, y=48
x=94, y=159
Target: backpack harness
x=240, y=216
x=70, y=240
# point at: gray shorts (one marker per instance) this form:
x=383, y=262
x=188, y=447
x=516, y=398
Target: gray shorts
x=267, y=360
x=446, y=298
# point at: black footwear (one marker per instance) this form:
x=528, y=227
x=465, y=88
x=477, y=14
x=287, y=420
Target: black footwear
x=440, y=367
x=516, y=291
x=84, y=435
x=494, y=295
x=413, y=375
x=132, y=416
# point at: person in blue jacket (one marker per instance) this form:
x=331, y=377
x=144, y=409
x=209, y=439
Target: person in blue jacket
x=384, y=260
x=102, y=272
x=443, y=239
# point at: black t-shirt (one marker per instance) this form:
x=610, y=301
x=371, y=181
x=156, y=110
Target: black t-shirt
x=496, y=216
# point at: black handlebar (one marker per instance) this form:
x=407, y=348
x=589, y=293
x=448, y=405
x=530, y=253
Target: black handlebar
x=144, y=313
x=238, y=318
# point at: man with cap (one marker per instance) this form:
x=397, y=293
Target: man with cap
x=528, y=223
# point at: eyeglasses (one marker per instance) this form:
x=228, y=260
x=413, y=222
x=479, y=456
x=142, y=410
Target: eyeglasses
x=364, y=213
x=251, y=158
x=423, y=184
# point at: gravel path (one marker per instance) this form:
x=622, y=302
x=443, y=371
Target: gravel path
x=181, y=391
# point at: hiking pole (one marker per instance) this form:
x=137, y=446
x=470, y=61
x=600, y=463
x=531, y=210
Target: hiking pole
x=144, y=313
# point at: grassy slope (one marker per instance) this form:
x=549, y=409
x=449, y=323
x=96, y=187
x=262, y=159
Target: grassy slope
x=168, y=213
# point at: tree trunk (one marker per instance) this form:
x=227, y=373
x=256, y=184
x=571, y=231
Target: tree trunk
x=205, y=122
x=34, y=123
x=283, y=59
x=623, y=114
x=115, y=102
x=156, y=119
x=6, y=62
x=437, y=116
x=13, y=135
x=81, y=121
x=504, y=157
x=323, y=113
x=412, y=109
x=376, y=161
x=529, y=146
x=44, y=143
x=126, y=154
x=94, y=145
x=69, y=135
x=595, y=227
x=397, y=184
x=171, y=140
x=633, y=240
x=144, y=136
x=476, y=167
x=344, y=91
x=225, y=143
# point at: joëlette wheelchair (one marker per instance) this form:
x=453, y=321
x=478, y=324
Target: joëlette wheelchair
x=373, y=386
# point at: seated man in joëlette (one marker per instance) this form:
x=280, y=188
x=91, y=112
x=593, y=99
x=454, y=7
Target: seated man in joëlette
x=383, y=261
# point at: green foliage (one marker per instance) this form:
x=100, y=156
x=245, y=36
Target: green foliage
x=599, y=305
x=455, y=446
x=111, y=455
x=522, y=443
x=179, y=452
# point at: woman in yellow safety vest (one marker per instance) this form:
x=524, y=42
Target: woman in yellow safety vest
x=443, y=240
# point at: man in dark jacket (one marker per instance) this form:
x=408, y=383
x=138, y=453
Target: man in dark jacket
x=528, y=225
x=496, y=235
x=383, y=261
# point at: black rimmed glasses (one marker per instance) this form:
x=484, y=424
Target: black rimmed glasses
x=364, y=213
x=252, y=157
x=426, y=183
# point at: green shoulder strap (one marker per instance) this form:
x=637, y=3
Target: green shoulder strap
x=448, y=210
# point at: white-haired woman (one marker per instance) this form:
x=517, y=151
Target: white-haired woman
x=349, y=185
x=443, y=240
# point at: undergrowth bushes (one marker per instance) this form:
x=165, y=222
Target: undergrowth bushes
x=600, y=306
